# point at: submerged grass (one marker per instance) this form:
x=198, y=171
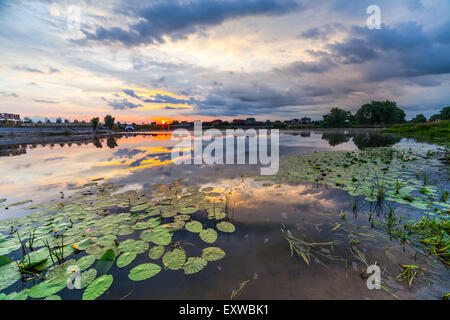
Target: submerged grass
x=307, y=250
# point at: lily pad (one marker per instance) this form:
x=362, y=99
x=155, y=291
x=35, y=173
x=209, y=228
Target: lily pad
x=188, y=210
x=144, y=271
x=194, y=226
x=97, y=287
x=175, y=259
x=208, y=235
x=47, y=288
x=225, y=227
x=156, y=252
x=194, y=265
x=213, y=254
x=126, y=258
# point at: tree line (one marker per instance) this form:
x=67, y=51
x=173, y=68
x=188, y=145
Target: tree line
x=376, y=113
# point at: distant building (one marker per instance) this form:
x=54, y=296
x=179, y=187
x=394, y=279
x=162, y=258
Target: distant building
x=15, y=118
x=250, y=121
x=238, y=122
x=306, y=120
x=295, y=121
x=216, y=122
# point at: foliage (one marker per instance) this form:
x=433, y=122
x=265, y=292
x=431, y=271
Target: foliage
x=109, y=121
x=337, y=118
x=380, y=112
x=420, y=118
x=95, y=122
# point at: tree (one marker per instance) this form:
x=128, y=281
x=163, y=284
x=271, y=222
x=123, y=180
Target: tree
x=58, y=120
x=109, y=121
x=445, y=113
x=94, y=122
x=420, y=118
x=337, y=118
x=380, y=112
x=27, y=120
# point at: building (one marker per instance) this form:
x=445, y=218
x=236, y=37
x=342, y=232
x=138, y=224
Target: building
x=295, y=121
x=306, y=120
x=216, y=122
x=10, y=117
x=238, y=122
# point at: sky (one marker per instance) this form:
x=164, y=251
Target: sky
x=144, y=61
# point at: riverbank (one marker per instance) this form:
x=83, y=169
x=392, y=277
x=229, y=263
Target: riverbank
x=432, y=132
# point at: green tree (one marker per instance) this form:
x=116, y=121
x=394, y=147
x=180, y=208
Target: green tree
x=95, y=122
x=420, y=118
x=109, y=121
x=380, y=112
x=337, y=118
x=445, y=113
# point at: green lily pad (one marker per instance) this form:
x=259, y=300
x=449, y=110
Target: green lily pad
x=85, y=262
x=97, y=287
x=175, y=259
x=225, y=227
x=126, y=258
x=194, y=265
x=53, y=297
x=156, y=252
x=47, y=288
x=213, y=254
x=194, y=226
x=87, y=277
x=144, y=271
x=188, y=210
x=208, y=235
x=160, y=236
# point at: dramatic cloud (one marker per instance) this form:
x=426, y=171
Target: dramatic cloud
x=177, y=19
x=192, y=59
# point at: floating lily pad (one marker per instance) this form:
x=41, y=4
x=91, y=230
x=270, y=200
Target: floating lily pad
x=97, y=287
x=126, y=258
x=87, y=277
x=85, y=262
x=208, y=235
x=175, y=259
x=144, y=271
x=194, y=265
x=156, y=252
x=194, y=226
x=188, y=210
x=47, y=288
x=213, y=254
x=225, y=227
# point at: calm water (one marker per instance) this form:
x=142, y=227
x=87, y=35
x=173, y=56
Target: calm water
x=257, y=250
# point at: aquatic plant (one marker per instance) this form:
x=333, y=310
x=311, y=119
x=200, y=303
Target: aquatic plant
x=306, y=250
x=90, y=223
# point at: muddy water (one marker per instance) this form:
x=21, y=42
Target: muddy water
x=258, y=250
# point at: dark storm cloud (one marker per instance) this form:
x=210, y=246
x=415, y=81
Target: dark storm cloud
x=177, y=19
x=404, y=50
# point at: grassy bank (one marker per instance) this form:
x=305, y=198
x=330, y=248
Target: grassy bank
x=435, y=132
